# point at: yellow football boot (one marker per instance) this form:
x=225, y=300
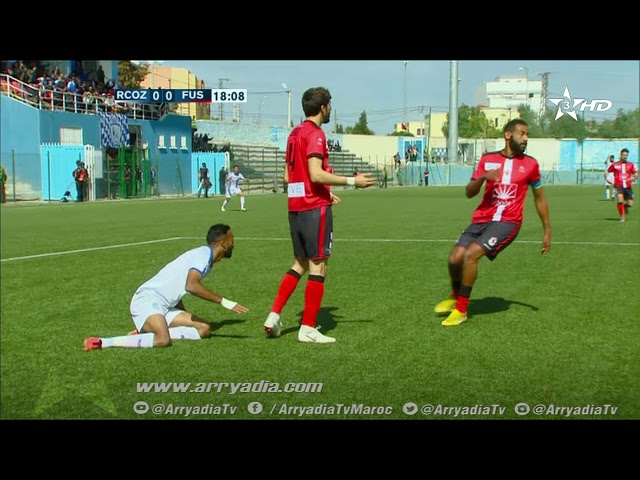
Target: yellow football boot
x=445, y=306
x=455, y=318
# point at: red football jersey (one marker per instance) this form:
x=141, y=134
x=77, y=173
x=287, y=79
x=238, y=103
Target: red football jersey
x=504, y=199
x=305, y=140
x=622, y=172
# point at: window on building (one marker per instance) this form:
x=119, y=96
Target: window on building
x=70, y=136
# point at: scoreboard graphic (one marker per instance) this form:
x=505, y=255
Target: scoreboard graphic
x=161, y=95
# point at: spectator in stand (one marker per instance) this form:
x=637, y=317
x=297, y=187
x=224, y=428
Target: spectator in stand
x=100, y=75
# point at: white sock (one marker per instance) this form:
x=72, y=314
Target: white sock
x=184, y=333
x=225, y=203
x=142, y=340
x=241, y=202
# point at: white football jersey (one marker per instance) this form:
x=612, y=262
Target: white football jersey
x=170, y=283
x=234, y=179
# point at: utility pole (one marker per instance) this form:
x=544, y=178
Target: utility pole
x=220, y=105
x=452, y=142
x=404, y=116
x=542, y=111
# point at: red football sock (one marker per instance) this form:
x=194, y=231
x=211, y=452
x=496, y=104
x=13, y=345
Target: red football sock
x=462, y=304
x=312, y=300
x=463, y=298
x=287, y=286
x=621, y=209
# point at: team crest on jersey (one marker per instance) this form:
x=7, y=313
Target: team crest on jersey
x=504, y=193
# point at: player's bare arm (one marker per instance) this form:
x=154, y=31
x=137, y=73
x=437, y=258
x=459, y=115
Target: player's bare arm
x=196, y=288
x=542, y=207
x=474, y=186
x=319, y=175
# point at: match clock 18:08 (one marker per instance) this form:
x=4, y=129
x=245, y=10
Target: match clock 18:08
x=229, y=95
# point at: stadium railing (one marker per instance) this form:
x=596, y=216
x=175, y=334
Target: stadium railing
x=56, y=100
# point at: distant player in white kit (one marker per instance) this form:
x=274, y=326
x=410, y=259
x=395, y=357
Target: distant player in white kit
x=156, y=307
x=233, y=187
x=609, y=191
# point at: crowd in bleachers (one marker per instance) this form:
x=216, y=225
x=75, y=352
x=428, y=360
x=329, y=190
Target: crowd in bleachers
x=78, y=91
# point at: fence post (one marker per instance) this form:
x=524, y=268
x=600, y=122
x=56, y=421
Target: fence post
x=13, y=179
x=49, y=173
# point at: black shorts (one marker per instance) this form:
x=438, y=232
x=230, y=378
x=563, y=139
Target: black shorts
x=492, y=236
x=627, y=193
x=312, y=233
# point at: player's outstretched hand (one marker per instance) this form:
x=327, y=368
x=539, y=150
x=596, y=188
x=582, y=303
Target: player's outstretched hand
x=364, y=180
x=240, y=309
x=233, y=306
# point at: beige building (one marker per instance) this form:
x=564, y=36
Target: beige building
x=178, y=79
x=512, y=91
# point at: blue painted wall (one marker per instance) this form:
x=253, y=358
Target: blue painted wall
x=51, y=122
x=58, y=164
x=20, y=145
x=214, y=162
x=168, y=160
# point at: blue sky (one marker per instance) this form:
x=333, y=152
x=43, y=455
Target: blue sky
x=378, y=87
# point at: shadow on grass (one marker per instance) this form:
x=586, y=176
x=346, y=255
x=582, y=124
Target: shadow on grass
x=215, y=326
x=326, y=321
x=483, y=306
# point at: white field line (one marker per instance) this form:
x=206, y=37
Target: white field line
x=283, y=239
x=92, y=249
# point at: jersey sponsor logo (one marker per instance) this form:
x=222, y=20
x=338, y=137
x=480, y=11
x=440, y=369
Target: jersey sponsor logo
x=492, y=165
x=504, y=194
x=295, y=190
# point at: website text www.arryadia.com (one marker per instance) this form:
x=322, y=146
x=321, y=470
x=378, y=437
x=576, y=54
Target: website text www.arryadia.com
x=231, y=388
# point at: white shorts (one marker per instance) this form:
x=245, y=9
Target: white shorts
x=610, y=178
x=145, y=304
x=232, y=192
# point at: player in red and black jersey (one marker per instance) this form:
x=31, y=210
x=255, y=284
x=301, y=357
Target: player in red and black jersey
x=497, y=220
x=309, y=179
x=624, y=174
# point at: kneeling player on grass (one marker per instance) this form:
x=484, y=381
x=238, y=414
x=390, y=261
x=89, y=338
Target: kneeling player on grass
x=156, y=307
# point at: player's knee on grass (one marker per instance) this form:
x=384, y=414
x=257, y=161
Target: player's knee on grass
x=186, y=319
x=203, y=326
x=157, y=324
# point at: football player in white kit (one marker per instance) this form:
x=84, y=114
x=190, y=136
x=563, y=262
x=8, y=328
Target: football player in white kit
x=233, y=187
x=609, y=191
x=156, y=307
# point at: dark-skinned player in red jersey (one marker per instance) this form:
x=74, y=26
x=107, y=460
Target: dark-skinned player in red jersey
x=309, y=179
x=497, y=220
